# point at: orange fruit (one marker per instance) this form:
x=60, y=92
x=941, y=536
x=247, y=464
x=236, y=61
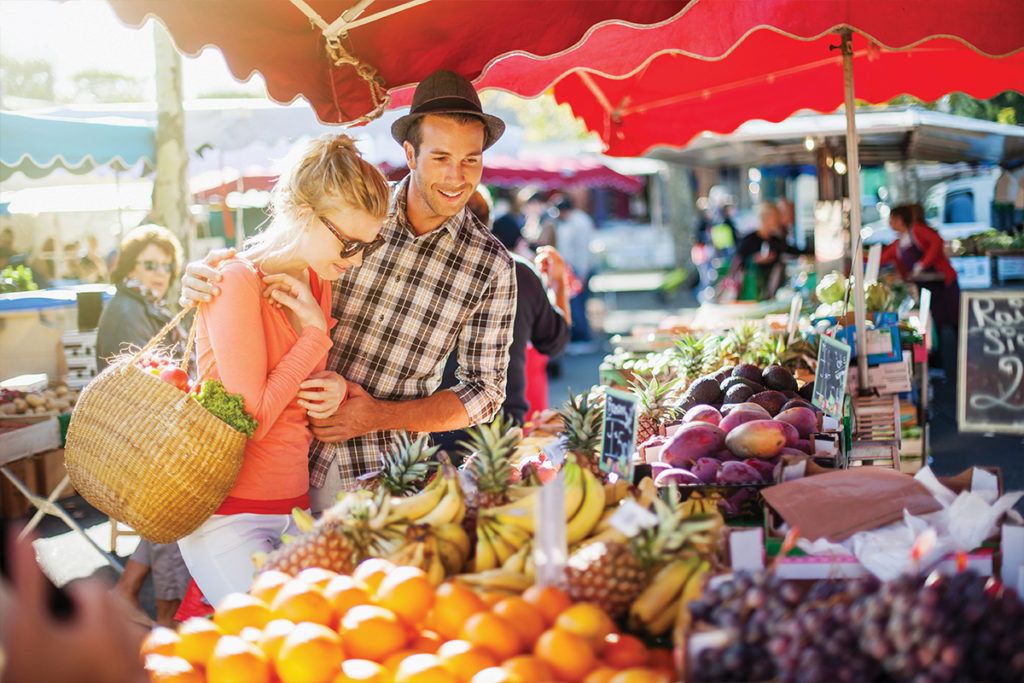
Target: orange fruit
x=622, y=651
x=496, y=674
x=423, y=668
x=528, y=668
x=236, y=661
x=343, y=592
x=490, y=631
x=238, y=610
x=164, y=669
x=464, y=659
x=660, y=658
x=407, y=592
x=550, y=600
x=453, y=605
x=587, y=620
x=159, y=641
x=266, y=584
x=641, y=675
x=298, y=601
x=372, y=632
x=523, y=616
x=311, y=653
x=569, y=655
x=361, y=671
x=392, y=661
x=272, y=635
x=317, y=577
x=602, y=674
x=250, y=634
x=426, y=641
x=372, y=571
x=492, y=597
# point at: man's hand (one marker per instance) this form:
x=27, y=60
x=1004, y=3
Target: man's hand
x=197, y=284
x=551, y=264
x=359, y=414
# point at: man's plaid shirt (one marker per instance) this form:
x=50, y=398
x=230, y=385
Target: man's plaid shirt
x=404, y=310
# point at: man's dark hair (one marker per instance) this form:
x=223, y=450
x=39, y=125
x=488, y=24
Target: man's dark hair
x=414, y=135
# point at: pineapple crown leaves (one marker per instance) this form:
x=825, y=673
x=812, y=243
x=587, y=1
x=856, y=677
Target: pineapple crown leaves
x=675, y=533
x=582, y=420
x=492, y=447
x=655, y=397
x=408, y=465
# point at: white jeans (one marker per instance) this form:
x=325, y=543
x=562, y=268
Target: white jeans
x=327, y=495
x=219, y=553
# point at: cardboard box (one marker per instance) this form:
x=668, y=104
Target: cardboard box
x=28, y=439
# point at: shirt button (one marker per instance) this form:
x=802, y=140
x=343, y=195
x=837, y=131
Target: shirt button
x=382, y=317
x=398, y=278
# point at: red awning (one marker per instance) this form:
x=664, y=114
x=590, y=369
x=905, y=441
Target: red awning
x=288, y=48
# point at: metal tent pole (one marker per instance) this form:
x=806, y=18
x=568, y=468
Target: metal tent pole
x=857, y=249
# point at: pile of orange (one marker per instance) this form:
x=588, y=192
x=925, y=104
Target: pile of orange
x=388, y=624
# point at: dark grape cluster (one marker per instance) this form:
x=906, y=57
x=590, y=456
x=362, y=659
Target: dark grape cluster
x=935, y=629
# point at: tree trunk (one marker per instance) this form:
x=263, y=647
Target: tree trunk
x=170, y=189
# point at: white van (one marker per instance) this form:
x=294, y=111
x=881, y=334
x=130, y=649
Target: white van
x=955, y=208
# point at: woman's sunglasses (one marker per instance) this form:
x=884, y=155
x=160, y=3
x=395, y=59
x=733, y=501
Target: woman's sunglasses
x=153, y=266
x=349, y=247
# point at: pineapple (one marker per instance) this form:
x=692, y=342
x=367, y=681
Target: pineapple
x=607, y=574
x=582, y=421
x=355, y=528
x=403, y=472
x=743, y=344
x=489, y=462
x=690, y=350
x=656, y=406
x=612, y=575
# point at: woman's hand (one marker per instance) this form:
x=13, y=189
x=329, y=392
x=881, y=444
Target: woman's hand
x=197, y=284
x=551, y=264
x=289, y=292
x=322, y=393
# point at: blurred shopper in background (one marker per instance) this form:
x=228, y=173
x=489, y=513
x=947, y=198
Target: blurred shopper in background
x=574, y=232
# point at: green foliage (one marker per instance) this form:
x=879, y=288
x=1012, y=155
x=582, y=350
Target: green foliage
x=28, y=78
x=832, y=288
x=96, y=85
x=228, y=407
x=17, y=279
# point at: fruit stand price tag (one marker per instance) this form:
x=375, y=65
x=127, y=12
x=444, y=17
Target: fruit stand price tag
x=830, y=376
x=990, y=384
x=618, y=439
x=631, y=518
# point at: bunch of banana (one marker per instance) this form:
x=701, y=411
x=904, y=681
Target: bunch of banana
x=421, y=550
x=670, y=590
x=497, y=580
x=521, y=561
x=454, y=545
x=496, y=543
x=441, y=501
x=698, y=504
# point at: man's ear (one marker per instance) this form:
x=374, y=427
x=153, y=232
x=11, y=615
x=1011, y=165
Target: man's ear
x=410, y=155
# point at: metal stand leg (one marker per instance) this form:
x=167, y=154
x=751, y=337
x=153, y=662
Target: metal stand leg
x=48, y=506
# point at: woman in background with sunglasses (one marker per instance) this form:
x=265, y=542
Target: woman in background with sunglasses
x=266, y=337
x=147, y=261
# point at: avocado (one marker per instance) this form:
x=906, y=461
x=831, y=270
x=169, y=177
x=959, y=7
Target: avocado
x=807, y=390
x=730, y=382
x=749, y=371
x=705, y=390
x=738, y=393
x=770, y=400
x=724, y=372
x=778, y=378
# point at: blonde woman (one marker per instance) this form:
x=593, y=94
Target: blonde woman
x=266, y=337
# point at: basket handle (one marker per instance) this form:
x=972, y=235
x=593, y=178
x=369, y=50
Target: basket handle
x=167, y=328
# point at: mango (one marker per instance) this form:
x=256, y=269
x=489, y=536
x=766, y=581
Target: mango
x=804, y=419
x=737, y=417
x=746, y=405
x=756, y=439
x=695, y=440
x=706, y=469
x=703, y=413
x=790, y=432
x=675, y=476
x=736, y=472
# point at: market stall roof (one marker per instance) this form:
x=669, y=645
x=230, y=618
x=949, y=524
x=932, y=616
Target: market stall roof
x=36, y=145
x=344, y=55
x=891, y=135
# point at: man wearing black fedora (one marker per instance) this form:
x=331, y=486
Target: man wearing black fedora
x=441, y=282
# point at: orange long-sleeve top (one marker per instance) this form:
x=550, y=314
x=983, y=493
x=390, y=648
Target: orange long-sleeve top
x=251, y=347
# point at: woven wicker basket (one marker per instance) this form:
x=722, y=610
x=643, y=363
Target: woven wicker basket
x=148, y=454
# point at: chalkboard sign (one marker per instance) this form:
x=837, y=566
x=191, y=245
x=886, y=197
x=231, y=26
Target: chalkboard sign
x=618, y=440
x=830, y=376
x=990, y=382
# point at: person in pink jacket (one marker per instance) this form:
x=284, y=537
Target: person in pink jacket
x=266, y=337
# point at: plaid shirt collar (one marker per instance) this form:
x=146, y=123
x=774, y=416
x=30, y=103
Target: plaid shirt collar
x=399, y=214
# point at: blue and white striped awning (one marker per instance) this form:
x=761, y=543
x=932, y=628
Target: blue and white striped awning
x=37, y=145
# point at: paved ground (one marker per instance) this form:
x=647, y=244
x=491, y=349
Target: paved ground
x=66, y=556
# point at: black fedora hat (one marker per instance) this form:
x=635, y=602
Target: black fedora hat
x=446, y=92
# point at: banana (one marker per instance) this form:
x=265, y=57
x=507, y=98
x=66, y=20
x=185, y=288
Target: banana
x=450, y=555
x=607, y=535
x=447, y=509
x=502, y=548
x=517, y=561
x=574, y=487
x=497, y=579
x=664, y=587
x=303, y=520
x=591, y=509
x=515, y=536
x=519, y=513
x=613, y=493
x=691, y=591
x=664, y=620
x=456, y=535
x=486, y=556
x=648, y=492
x=434, y=566
x=414, y=507
x=606, y=516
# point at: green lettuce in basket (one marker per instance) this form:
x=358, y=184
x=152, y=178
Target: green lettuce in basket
x=228, y=407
